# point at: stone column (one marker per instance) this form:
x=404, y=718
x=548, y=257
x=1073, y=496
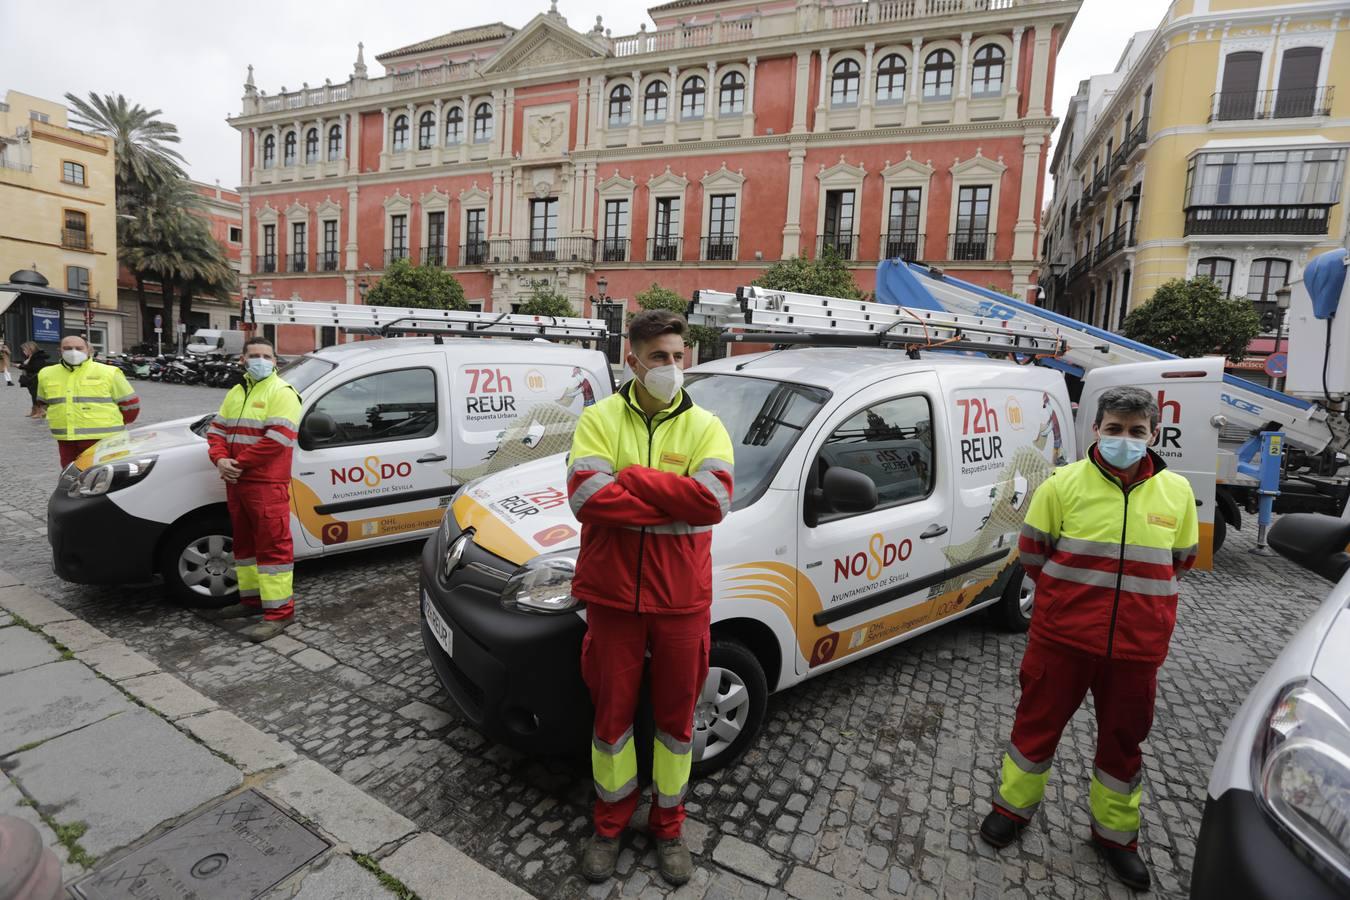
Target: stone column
x=583, y=113
x=438, y=133
x=351, y=161
x=384, y=139
x=800, y=96
x=673, y=105
x=636, y=119
x=1040, y=70
x=509, y=123
x=600, y=117
x=914, y=83
x=748, y=128
x=251, y=157
x=961, y=114
x=712, y=102
x=351, y=228
x=1024, y=234
x=868, y=84
x=1013, y=89
x=822, y=104
x=792, y=227
x=588, y=201
x=466, y=139
x=494, y=228
x=246, y=244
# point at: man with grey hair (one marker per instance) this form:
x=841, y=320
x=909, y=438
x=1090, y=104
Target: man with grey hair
x=1104, y=541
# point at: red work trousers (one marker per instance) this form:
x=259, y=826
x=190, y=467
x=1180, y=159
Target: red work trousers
x=260, y=514
x=70, y=450
x=612, y=656
x=1054, y=680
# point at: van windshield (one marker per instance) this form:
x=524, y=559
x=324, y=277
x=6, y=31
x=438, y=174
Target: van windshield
x=764, y=419
x=302, y=372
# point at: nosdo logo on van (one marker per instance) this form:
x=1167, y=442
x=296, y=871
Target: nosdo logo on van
x=371, y=473
x=879, y=556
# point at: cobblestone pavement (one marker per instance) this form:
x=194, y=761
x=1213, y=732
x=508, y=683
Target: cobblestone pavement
x=868, y=781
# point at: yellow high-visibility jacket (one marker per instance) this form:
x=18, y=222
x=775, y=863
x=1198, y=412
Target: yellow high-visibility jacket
x=88, y=402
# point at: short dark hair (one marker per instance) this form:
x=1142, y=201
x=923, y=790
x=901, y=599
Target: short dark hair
x=259, y=339
x=1130, y=401
x=653, y=323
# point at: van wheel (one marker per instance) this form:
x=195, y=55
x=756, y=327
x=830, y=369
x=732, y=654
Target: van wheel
x=197, y=563
x=1220, y=530
x=1019, y=596
x=730, y=710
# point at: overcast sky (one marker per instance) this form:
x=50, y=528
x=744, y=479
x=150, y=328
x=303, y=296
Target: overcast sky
x=188, y=58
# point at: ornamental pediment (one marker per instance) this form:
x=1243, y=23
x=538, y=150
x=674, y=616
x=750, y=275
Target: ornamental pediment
x=545, y=42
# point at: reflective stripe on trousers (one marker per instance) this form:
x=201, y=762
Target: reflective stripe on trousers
x=614, y=767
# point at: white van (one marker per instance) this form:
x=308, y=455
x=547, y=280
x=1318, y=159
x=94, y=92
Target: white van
x=389, y=428
x=877, y=497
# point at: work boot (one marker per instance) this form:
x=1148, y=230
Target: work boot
x=1126, y=865
x=264, y=630
x=999, y=830
x=599, y=858
x=672, y=857
x=233, y=611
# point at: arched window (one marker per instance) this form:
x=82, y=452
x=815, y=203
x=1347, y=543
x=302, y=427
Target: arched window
x=400, y=134
x=986, y=79
x=335, y=143
x=312, y=145
x=654, y=101
x=269, y=152
x=1217, y=268
x=692, y=97
x=482, y=123
x=844, y=83
x=891, y=79
x=454, y=126
x=620, y=105
x=426, y=130
x=288, y=149
x=939, y=73
x=731, y=96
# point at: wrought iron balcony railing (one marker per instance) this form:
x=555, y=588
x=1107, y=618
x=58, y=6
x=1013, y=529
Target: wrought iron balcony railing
x=902, y=245
x=296, y=262
x=720, y=247
x=433, y=256
x=1267, y=219
x=845, y=245
x=569, y=249
x=267, y=262
x=663, y=248
x=75, y=239
x=968, y=246
x=328, y=260
x=614, y=250
x=1286, y=103
x=473, y=253
x=394, y=254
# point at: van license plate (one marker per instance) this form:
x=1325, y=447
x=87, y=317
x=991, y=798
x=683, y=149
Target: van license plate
x=444, y=636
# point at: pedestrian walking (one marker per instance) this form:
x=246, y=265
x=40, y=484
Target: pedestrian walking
x=4, y=363
x=35, y=359
x=86, y=401
x=650, y=475
x=1104, y=541
x=250, y=442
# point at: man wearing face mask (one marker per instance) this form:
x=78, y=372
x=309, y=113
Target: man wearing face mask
x=1104, y=540
x=250, y=442
x=86, y=401
x=650, y=475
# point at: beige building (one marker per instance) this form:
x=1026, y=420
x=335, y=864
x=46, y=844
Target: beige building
x=59, y=209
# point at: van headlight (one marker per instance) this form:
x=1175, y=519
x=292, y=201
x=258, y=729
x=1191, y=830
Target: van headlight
x=542, y=585
x=97, y=480
x=1301, y=769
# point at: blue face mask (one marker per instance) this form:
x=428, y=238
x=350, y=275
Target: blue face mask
x=259, y=369
x=1122, y=452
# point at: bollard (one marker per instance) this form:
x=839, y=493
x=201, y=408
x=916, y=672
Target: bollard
x=1270, y=466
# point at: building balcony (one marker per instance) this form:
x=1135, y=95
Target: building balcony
x=969, y=246
x=433, y=256
x=845, y=245
x=76, y=239
x=1137, y=138
x=902, y=245
x=1289, y=103
x=663, y=249
x=1271, y=219
x=297, y=262
x=1113, y=243
x=473, y=253
x=267, y=262
x=720, y=247
x=328, y=260
x=613, y=250
x=1078, y=269
x=394, y=254
x=540, y=250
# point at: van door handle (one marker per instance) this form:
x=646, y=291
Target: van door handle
x=933, y=531
x=303, y=474
x=433, y=457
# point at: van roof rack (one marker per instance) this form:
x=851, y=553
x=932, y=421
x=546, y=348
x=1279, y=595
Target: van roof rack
x=762, y=316
x=385, y=321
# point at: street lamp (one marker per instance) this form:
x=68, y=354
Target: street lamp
x=1282, y=304
x=615, y=340
x=362, y=286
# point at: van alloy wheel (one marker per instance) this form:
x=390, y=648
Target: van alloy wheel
x=206, y=566
x=1026, y=598
x=721, y=713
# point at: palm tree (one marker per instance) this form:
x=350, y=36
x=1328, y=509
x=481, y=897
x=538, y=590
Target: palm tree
x=140, y=154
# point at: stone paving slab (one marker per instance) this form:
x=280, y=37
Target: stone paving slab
x=31, y=606
x=116, y=661
x=122, y=777
x=14, y=803
x=75, y=635
x=252, y=750
x=436, y=871
x=429, y=717
x=340, y=877
x=6, y=620
x=167, y=695
x=39, y=704
x=345, y=812
x=23, y=649
x=747, y=859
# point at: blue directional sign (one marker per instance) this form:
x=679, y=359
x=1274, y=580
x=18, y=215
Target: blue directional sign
x=46, y=325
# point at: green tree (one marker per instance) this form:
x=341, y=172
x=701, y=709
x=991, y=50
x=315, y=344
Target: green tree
x=657, y=297
x=545, y=301
x=1194, y=318
x=828, y=276
x=423, y=287
x=140, y=155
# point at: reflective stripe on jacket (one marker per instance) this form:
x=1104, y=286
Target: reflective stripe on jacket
x=88, y=402
x=1105, y=558
x=647, y=494
x=257, y=426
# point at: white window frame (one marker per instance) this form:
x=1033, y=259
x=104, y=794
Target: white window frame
x=396, y=204
x=908, y=173
x=842, y=176
x=665, y=186
x=616, y=187
x=723, y=181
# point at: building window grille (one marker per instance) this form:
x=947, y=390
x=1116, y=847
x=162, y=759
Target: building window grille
x=731, y=98
x=654, y=102
x=288, y=149
x=620, y=106
x=335, y=143
x=312, y=146
x=72, y=173
x=400, y=134
x=426, y=131
x=454, y=126
x=482, y=123
x=987, y=74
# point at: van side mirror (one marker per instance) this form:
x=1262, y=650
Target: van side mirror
x=317, y=428
x=1316, y=542
x=848, y=491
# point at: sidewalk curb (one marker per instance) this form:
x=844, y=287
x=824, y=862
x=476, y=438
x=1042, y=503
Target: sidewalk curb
x=357, y=824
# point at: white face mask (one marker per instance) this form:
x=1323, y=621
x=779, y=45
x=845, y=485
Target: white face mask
x=663, y=382
x=74, y=357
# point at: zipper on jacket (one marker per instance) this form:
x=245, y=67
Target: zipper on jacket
x=642, y=536
x=243, y=407
x=1120, y=575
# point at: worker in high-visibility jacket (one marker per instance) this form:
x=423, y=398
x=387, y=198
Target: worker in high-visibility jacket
x=1104, y=540
x=86, y=401
x=649, y=476
x=250, y=441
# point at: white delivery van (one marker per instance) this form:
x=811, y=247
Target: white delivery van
x=877, y=496
x=389, y=428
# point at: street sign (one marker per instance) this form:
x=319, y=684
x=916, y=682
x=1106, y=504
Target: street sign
x=1277, y=365
x=158, y=330
x=46, y=325
x=159, y=321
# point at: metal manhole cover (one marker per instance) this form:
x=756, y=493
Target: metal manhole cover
x=238, y=848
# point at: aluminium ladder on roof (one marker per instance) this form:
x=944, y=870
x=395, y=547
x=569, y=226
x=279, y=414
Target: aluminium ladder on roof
x=386, y=320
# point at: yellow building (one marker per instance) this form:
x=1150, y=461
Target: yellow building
x=1217, y=147
x=57, y=210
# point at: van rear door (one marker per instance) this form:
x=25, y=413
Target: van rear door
x=1188, y=392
